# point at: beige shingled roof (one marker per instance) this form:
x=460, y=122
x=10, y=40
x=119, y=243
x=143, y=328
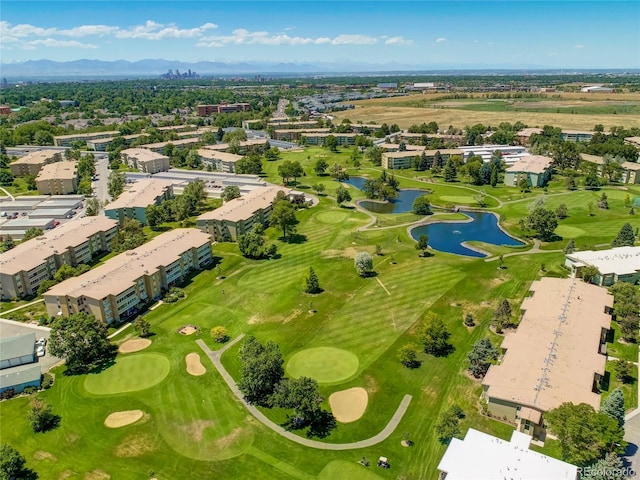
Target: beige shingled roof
x=244, y=207
x=531, y=164
x=142, y=154
x=631, y=166
x=216, y=155
x=65, y=170
x=592, y=158
x=120, y=272
x=40, y=156
x=553, y=355
x=141, y=194
x=30, y=254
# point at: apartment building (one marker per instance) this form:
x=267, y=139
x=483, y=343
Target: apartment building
x=402, y=160
x=619, y=264
x=556, y=355
x=144, y=160
x=133, y=202
x=220, y=161
x=630, y=172
x=242, y=148
x=179, y=144
x=59, y=178
x=294, y=134
x=32, y=162
x=127, y=282
x=204, y=110
x=28, y=264
x=67, y=140
x=295, y=125
x=101, y=144
x=238, y=216
x=535, y=168
x=576, y=135
x=320, y=138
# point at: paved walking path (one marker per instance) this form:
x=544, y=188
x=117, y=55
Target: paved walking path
x=534, y=249
x=215, y=356
x=7, y=193
x=124, y=327
x=22, y=306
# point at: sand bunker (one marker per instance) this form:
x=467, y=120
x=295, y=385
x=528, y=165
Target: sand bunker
x=134, y=345
x=120, y=419
x=349, y=405
x=188, y=330
x=194, y=366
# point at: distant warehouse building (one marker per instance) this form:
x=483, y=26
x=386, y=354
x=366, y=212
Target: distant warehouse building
x=133, y=202
x=126, y=283
x=620, y=264
x=237, y=216
x=58, y=178
x=32, y=162
x=27, y=265
x=145, y=160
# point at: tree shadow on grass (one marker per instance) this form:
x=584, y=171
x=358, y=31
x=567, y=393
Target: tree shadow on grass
x=445, y=351
x=295, y=238
x=322, y=425
x=348, y=207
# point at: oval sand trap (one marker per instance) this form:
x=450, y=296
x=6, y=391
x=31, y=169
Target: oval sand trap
x=194, y=366
x=349, y=405
x=120, y=419
x=134, y=345
x=323, y=364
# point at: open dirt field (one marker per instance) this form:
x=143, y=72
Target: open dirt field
x=120, y=419
x=194, y=365
x=349, y=405
x=404, y=117
x=134, y=345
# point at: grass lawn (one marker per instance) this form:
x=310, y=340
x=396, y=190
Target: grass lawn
x=629, y=389
x=195, y=428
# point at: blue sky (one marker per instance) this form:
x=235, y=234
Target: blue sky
x=573, y=34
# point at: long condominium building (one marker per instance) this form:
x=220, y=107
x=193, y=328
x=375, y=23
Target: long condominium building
x=59, y=178
x=132, y=203
x=67, y=140
x=556, y=355
x=32, y=162
x=27, y=265
x=405, y=159
x=204, y=110
x=125, y=283
x=145, y=160
x=237, y=216
x=221, y=161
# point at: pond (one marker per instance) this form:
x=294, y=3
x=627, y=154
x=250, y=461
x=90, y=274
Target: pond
x=402, y=204
x=448, y=237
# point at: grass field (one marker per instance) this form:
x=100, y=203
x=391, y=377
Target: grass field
x=324, y=364
x=195, y=428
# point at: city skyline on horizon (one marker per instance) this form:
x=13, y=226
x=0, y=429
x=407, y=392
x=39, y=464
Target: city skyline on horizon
x=509, y=34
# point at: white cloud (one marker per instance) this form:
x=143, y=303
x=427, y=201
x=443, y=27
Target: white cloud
x=441, y=40
x=52, y=42
x=242, y=36
x=88, y=30
x=354, y=40
x=398, y=41
x=151, y=30
x=579, y=46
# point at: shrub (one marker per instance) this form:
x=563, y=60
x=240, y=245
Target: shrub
x=47, y=381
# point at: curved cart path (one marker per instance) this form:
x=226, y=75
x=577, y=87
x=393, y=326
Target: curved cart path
x=215, y=356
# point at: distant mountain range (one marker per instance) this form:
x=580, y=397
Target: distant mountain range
x=99, y=69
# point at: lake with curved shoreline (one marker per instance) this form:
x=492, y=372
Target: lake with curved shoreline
x=450, y=236
x=402, y=204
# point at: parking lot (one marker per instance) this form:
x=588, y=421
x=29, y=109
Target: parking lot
x=9, y=328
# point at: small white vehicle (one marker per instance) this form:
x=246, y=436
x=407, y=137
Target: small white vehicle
x=41, y=342
x=40, y=351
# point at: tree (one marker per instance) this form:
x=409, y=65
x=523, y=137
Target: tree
x=154, y=215
x=493, y=181
x=570, y=183
x=561, y=211
x=408, y=355
x=261, y=370
x=129, y=236
x=142, y=326
x=249, y=165
x=303, y=396
x=321, y=166
x=115, y=184
x=363, y=262
x=543, y=221
x=608, y=468
x=623, y=370
x=6, y=178
x=238, y=135
x=422, y=205
x=625, y=237
x=613, y=406
x=590, y=273
x=41, y=416
x=374, y=155
x=338, y=172
x=449, y=171
x=502, y=316
x=319, y=188
x=603, y=203
x=219, y=334
x=591, y=181
x=12, y=465
x=65, y=271
x=584, y=434
x=482, y=355
x=283, y=216
x=93, y=207
x=252, y=244
x=423, y=243
x=230, y=192
x=311, y=282
x=81, y=340
x=448, y=424
x=523, y=184
x=342, y=195
x=331, y=142
x=571, y=247
x=6, y=243
x=435, y=337
x=32, y=232
x=629, y=327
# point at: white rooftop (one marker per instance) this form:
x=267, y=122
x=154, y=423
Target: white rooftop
x=484, y=457
x=619, y=260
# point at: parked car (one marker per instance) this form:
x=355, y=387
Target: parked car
x=41, y=342
x=40, y=351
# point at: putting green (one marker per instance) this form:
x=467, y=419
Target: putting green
x=467, y=199
x=567, y=231
x=323, y=364
x=129, y=374
x=330, y=217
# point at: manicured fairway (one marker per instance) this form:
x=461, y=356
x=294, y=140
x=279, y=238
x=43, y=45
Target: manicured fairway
x=339, y=469
x=567, y=231
x=324, y=364
x=466, y=199
x=331, y=217
x=129, y=374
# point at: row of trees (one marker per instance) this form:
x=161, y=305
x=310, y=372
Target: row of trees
x=180, y=208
